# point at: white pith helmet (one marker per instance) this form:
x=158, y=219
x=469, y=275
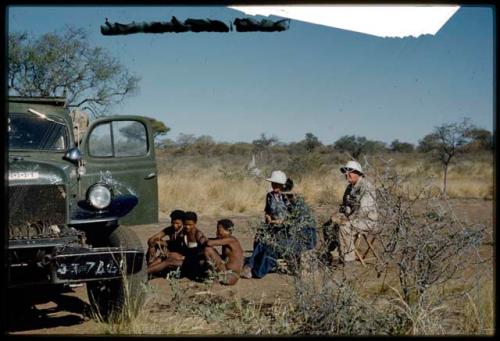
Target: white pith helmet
x=352, y=166
x=278, y=177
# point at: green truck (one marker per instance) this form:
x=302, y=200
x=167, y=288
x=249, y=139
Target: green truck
x=74, y=195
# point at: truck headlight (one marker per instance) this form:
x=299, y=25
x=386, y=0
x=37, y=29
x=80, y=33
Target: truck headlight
x=99, y=196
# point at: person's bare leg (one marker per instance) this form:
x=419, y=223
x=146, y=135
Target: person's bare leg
x=230, y=278
x=173, y=260
x=156, y=261
x=213, y=256
x=176, y=256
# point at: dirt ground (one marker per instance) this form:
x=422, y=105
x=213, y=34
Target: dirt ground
x=52, y=311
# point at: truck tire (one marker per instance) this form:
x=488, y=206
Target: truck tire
x=119, y=299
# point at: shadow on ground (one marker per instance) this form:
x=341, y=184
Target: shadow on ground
x=40, y=308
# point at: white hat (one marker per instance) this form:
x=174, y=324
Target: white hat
x=278, y=177
x=352, y=165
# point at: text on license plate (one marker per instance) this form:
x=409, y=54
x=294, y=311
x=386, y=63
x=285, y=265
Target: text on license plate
x=89, y=268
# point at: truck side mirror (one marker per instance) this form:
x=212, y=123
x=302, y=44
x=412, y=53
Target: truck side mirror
x=74, y=155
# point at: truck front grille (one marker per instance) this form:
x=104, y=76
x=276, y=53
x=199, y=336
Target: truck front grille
x=36, y=210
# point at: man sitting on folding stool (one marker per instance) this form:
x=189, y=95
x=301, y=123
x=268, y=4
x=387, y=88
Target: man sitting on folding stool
x=357, y=214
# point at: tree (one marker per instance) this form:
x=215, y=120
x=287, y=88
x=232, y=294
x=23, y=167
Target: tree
x=354, y=145
x=373, y=147
x=136, y=131
x=65, y=65
x=446, y=142
x=166, y=144
x=204, y=144
x=427, y=143
x=481, y=139
x=133, y=131
x=311, y=142
x=184, y=141
x=263, y=144
x=401, y=147
x=159, y=128
x=350, y=144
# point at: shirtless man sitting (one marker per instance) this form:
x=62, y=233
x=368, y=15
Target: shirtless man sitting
x=167, y=254
x=228, y=267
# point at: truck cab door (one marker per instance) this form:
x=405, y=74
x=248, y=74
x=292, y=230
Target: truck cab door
x=119, y=150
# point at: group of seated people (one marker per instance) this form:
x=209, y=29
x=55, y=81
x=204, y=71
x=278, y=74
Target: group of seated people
x=190, y=251
x=288, y=230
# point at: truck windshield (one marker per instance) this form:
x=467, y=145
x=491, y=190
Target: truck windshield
x=28, y=131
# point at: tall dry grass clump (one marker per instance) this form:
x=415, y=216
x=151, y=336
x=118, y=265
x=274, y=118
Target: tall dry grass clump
x=211, y=190
x=479, y=310
x=471, y=176
x=326, y=189
x=150, y=319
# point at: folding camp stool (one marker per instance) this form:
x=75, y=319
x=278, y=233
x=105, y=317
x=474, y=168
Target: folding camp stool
x=369, y=242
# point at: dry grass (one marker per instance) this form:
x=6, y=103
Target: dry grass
x=479, y=310
x=150, y=319
x=209, y=191
x=356, y=308
x=223, y=186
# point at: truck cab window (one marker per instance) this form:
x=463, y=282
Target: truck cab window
x=130, y=138
x=100, y=144
x=30, y=132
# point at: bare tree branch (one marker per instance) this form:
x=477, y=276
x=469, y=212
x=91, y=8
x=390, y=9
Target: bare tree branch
x=63, y=63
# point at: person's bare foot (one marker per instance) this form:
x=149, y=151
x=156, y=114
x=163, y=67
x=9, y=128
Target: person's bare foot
x=246, y=272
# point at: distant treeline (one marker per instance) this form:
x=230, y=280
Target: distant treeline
x=186, y=144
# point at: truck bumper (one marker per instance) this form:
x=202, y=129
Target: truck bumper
x=76, y=264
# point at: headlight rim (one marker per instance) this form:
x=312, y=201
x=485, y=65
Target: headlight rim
x=91, y=188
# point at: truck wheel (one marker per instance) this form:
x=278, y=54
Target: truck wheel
x=119, y=298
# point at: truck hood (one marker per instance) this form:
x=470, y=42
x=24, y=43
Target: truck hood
x=29, y=170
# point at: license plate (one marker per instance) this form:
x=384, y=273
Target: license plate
x=66, y=270
x=96, y=265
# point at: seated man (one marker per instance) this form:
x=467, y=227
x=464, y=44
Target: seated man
x=194, y=242
x=167, y=254
x=357, y=214
x=228, y=266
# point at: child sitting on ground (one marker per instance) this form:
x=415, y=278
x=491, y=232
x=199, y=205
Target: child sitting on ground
x=228, y=266
x=194, y=243
x=167, y=254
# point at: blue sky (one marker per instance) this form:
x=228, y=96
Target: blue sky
x=331, y=82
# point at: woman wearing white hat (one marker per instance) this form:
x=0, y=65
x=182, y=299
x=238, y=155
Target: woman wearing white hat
x=357, y=212
x=276, y=201
x=263, y=258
